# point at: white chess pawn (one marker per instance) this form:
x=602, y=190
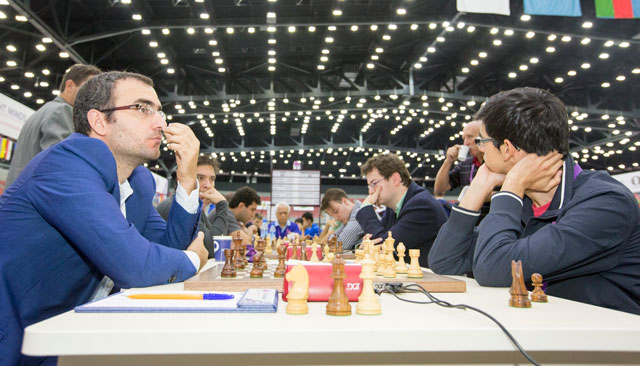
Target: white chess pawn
x=414, y=268
x=325, y=257
x=382, y=261
x=368, y=303
x=389, y=271
x=401, y=267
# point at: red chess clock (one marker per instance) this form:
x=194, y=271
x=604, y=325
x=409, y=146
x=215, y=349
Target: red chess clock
x=321, y=283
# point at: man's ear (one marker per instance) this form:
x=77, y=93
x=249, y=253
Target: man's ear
x=395, y=178
x=98, y=122
x=509, y=151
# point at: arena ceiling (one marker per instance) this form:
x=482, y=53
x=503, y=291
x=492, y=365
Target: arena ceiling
x=329, y=83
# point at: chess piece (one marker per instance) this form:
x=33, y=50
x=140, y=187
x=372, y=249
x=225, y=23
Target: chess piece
x=401, y=267
x=338, y=301
x=267, y=248
x=359, y=255
x=538, y=295
x=282, y=267
x=388, y=242
x=314, y=253
x=414, y=267
x=256, y=272
x=303, y=251
x=368, y=303
x=519, y=294
x=238, y=262
x=299, y=293
x=333, y=244
x=330, y=257
x=382, y=260
x=228, y=271
x=325, y=256
x=389, y=271
x=294, y=251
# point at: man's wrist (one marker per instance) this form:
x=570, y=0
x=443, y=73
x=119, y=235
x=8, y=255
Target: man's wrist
x=513, y=185
x=188, y=184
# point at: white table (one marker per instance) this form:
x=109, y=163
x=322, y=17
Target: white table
x=559, y=332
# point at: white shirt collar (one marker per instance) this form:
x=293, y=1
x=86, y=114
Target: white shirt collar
x=125, y=192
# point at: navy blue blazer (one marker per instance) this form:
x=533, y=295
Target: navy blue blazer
x=62, y=230
x=416, y=226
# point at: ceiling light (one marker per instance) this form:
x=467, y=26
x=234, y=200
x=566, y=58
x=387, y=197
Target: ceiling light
x=46, y=72
x=392, y=27
x=29, y=74
x=329, y=39
x=337, y=12
x=525, y=17
x=471, y=28
x=146, y=32
x=373, y=27
x=585, y=65
x=401, y=11
x=136, y=17
x=414, y=27
x=47, y=40
x=508, y=32
x=370, y=66
x=585, y=41
x=497, y=42
x=565, y=39
x=465, y=70
x=530, y=34
x=191, y=30
x=512, y=75
x=482, y=54
x=524, y=67
x=620, y=77
x=204, y=15
x=571, y=73
x=494, y=30
x=559, y=80
x=170, y=71
x=230, y=30
x=354, y=28
x=271, y=68
x=587, y=25
x=11, y=48
x=605, y=85
x=609, y=43
x=40, y=47
x=272, y=41
x=165, y=31
x=21, y=18
x=251, y=30
x=552, y=37
x=551, y=49
x=63, y=55
x=623, y=44
x=604, y=56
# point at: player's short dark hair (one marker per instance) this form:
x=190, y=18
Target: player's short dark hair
x=98, y=93
x=246, y=195
x=533, y=119
x=387, y=164
x=78, y=73
x=208, y=160
x=308, y=216
x=298, y=220
x=332, y=194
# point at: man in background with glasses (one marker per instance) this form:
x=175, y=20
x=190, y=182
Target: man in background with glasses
x=413, y=215
x=579, y=229
x=462, y=174
x=79, y=221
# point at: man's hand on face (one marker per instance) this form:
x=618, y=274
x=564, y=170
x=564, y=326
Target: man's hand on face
x=488, y=178
x=211, y=196
x=481, y=188
x=372, y=198
x=452, y=153
x=535, y=173
x=185, y=144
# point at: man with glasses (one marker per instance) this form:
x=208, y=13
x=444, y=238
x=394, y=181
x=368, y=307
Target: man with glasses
x=579, y=229
x=214, y=223
x=413, y=215
x=79, y=221
x=462, y=174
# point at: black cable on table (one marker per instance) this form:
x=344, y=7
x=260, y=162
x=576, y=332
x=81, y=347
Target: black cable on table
x=434, y=300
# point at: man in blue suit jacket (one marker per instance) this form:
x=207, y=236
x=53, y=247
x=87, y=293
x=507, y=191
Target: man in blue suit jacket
x=79, y=219
x=413, y=215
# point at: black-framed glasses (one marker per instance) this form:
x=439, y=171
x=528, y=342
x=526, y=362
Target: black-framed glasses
x=479, y=141
x=145, y=109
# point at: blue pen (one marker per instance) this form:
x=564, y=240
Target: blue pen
x=205, y=296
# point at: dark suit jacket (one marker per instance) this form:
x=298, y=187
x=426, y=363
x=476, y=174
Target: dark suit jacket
x=416, y=226
x=62, y=230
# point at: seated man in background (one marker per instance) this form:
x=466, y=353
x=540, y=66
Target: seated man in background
x=337, y=204
x=310, y=228
x=257, y=223
x=82, y=210
x=243, y=207
x=218, y=220
x=300, y=223
x=283, y=227
x=579, y=229
x=413, y=215
x=462, y=174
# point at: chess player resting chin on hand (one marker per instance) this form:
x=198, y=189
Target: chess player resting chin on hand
x=580, y=229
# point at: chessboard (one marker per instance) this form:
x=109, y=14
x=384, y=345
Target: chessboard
x=210, y=280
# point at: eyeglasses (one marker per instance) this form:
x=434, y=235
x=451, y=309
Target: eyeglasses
x=374, y=183
x=479, y=141
x=145, y=109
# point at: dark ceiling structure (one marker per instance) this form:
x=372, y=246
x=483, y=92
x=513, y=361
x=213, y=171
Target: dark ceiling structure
x=329, y=83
